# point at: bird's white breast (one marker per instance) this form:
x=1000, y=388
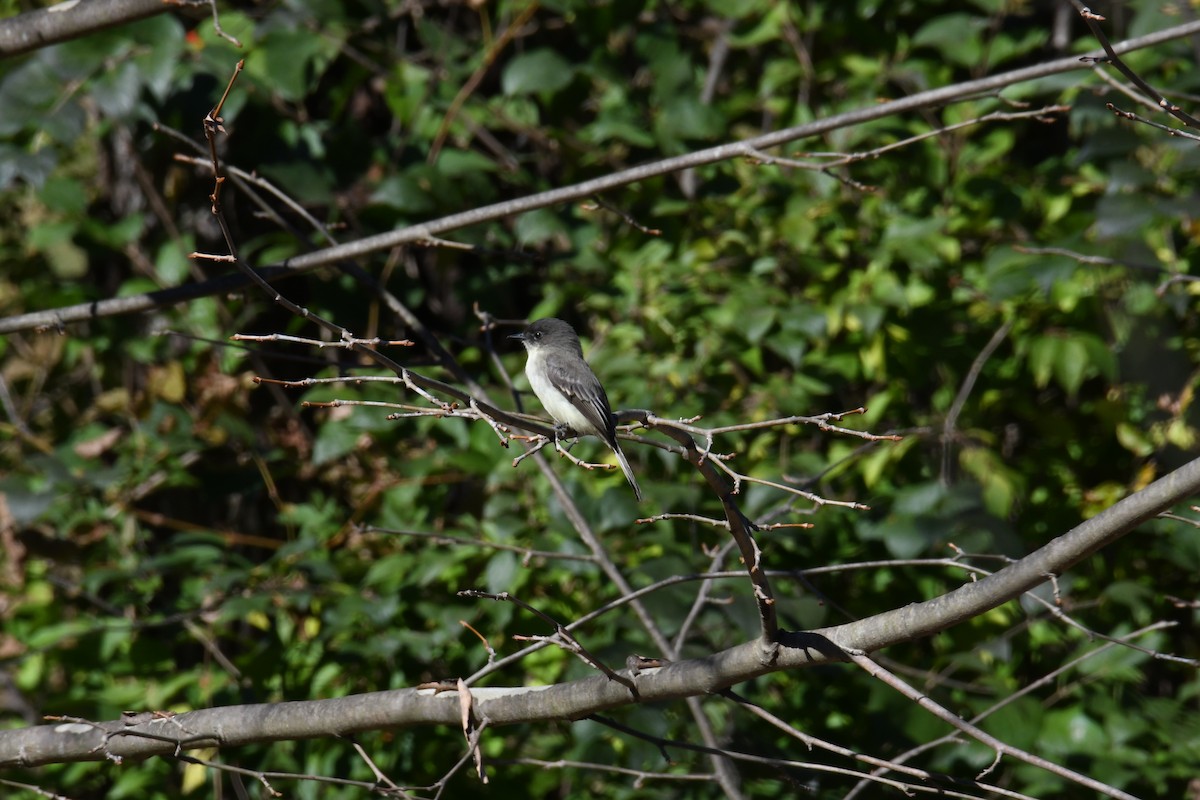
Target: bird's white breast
x=557, y=405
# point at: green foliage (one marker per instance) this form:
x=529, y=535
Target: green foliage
x=185, y=539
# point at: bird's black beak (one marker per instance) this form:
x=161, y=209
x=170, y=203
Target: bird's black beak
x=518, y=336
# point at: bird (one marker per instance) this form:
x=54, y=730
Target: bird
x=568, y=389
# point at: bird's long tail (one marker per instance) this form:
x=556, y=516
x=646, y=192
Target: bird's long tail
x=637, y=490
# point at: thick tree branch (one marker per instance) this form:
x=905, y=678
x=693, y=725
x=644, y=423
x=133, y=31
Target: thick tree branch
x=240, y=725
x=69, y=20
x=925, y=619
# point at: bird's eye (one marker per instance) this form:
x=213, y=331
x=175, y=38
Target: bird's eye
x=537, y=335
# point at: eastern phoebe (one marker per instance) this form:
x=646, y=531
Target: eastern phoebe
x=568, y=388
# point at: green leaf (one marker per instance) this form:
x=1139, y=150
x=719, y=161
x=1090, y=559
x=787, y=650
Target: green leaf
x=502, y=570
x=454, y=163
x=172, y=264
x=55, y=634
x=539, y=227
x=117, y=90
x=536, y=72
x=288, y=60
x=1001, y=490
x=335, y=439
x=956, y=37
x=1070, y=731
x=404, y=194
x=1044, y=357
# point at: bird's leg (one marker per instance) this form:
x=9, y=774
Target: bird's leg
x=562, y=431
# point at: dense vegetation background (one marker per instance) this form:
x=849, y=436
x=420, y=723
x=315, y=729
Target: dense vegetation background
x=1013, y=297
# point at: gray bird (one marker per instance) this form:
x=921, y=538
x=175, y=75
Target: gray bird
x=567, y=387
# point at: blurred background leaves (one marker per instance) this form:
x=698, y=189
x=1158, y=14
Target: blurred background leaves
x=181, y=539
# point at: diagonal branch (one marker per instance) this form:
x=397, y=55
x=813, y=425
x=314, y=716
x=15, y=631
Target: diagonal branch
x=241, y=725
x=45, y=26
x=426, y=231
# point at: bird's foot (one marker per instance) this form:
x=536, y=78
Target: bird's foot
x=562, y=433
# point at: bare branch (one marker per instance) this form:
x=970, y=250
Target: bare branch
x=57, y=318
x=964, y=391
x=58, y=23
x=1111, y=57
x=1002, y=748
x=238, y=725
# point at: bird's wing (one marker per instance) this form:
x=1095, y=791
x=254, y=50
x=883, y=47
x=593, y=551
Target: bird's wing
x=585, y=393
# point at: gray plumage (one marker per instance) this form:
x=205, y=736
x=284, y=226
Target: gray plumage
x=568, y=389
